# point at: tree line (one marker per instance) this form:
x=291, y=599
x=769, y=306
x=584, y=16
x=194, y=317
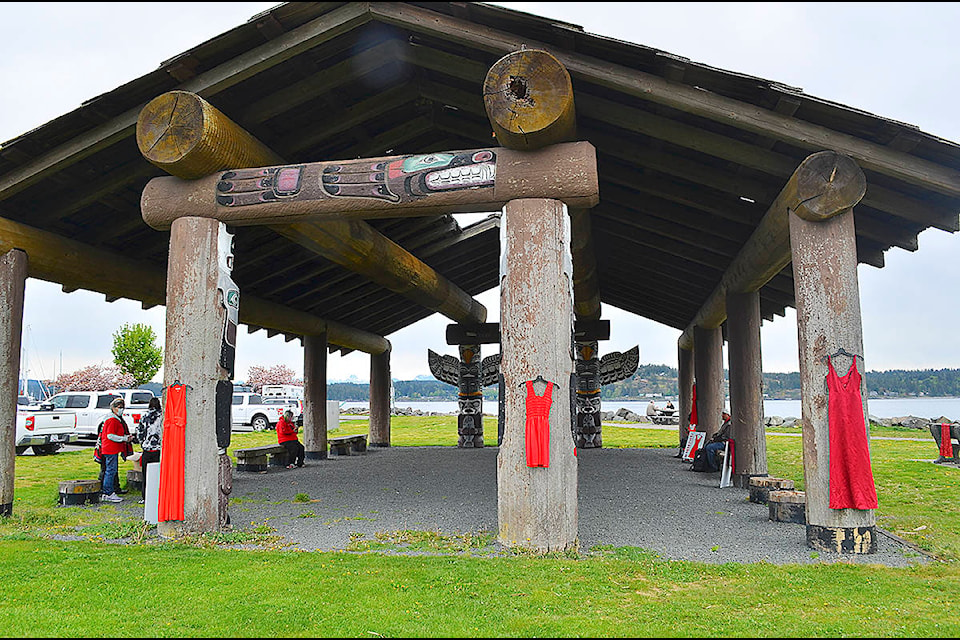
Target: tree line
x=658, y=379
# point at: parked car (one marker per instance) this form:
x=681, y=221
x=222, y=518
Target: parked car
x=90, y=407
x=45, y=431
x=250, y=410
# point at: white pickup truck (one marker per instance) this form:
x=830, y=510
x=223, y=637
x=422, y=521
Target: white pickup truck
x=249, y=410
x=45, y=431
x=90, y=407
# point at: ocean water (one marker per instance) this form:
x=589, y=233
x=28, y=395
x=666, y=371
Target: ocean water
x=879, y=407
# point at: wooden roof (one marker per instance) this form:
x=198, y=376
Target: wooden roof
x=690, y=157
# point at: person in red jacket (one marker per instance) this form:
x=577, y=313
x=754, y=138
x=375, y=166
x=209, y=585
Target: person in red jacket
x=287, y=437
x=115, y=439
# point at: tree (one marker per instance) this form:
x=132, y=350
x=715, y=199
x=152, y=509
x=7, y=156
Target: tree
x=135, y=351
x=277, y=374
x=94, y=378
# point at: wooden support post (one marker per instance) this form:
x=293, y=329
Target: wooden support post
x=587, y=430
x=315, y=396
x=13, y=278
x=685, y=392
x=470, y=398
x=195, y=321
x=709, y=374
x=537, y=506
x=746, y=387
x=380, y=399
x=828, y=319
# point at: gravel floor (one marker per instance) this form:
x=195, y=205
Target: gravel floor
x=628, y=497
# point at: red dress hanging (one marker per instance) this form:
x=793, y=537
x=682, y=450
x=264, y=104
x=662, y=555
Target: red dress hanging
x=538, y=426
x=851, y=478
x=170, y=504
x=946, y=446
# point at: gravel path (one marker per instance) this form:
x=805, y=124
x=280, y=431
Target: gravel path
x=628, y=497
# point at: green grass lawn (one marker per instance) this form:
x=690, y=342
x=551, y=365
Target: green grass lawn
x=64, y=574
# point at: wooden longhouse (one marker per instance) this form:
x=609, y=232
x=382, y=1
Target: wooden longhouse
x=721, y=196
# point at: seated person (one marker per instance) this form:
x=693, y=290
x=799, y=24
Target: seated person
x=652, y=409
x=717, y=443
x=669, y=408
x=287, y=437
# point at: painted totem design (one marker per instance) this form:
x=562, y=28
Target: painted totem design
x=229, y=298
x=469, y=374
x=587, y=431
x=592, y=373
x=401, y=179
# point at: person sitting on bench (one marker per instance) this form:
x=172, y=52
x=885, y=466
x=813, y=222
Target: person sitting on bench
x=717, y=443
x=287, y=436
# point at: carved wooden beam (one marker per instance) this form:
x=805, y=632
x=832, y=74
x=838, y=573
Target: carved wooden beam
x=188, y=137
x=386, y=187
x=824, y=184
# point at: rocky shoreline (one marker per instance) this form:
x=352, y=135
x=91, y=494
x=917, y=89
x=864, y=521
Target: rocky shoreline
x=625, y=415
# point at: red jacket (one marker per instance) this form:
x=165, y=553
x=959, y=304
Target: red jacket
x=108, y=446
x=286, y=431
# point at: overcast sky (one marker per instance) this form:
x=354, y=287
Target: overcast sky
x=898, y=61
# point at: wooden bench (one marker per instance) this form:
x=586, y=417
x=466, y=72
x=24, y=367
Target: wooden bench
x=348, y=445
x=258, y=458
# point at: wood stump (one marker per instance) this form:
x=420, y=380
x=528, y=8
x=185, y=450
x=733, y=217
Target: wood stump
x=135, y=480
x=74, y=492
x=788, y=506
x=761, y=487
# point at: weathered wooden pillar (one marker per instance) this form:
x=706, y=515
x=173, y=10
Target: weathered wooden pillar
x=13, y=278
x=380, y=399
x=685, y=391
x=470, y=398
x=537, y=506
x=828, y=319
x=746, y=387
x=195, y=326
x=709, y=374
x=588, y=432
x=315, y=396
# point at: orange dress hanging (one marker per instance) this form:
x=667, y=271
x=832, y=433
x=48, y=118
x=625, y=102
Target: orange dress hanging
x=170, y=504
x=538, y=426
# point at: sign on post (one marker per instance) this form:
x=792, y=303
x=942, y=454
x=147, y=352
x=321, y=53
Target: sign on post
x=694, y=442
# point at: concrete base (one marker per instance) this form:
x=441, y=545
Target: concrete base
x=315, y=455
x=6, y=510
x=856, y=540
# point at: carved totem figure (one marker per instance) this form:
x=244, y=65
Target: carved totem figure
x=469, y=374
x=229, y=298
x=592, y=374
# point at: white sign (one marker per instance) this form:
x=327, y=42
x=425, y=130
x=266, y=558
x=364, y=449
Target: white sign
x=727, y=466
x=694, y=441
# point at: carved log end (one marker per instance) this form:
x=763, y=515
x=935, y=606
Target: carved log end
x=528, y=97
x=827, y=184
x=187, y=137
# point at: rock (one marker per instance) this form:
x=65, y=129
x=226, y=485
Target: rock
x=631, y=417
x=774, y=421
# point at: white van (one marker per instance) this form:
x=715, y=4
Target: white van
x=135, y=401
x=282, y=391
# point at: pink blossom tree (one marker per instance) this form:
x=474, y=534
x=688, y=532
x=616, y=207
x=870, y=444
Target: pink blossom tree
x=96, y=377
x=277, y=374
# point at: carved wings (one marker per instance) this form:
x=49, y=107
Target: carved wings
x=490, y=370
x=616, y=366
x=444, y=368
